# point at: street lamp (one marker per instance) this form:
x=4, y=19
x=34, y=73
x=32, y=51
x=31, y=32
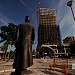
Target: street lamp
x=69, y=3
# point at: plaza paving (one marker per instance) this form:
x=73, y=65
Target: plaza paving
x=39, y=67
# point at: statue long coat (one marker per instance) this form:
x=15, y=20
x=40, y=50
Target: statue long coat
x=23, y=42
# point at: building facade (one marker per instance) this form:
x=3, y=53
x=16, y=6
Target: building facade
x=47, y=29
x=69, y=39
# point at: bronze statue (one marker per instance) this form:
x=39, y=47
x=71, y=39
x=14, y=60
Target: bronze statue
x=23, y=42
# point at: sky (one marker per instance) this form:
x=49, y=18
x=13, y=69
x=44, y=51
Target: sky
x=14, y=11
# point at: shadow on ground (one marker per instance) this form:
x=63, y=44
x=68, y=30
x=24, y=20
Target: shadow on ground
x=13, y=73
x=47, y=72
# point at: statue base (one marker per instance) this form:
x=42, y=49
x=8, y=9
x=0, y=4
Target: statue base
x=23, y=72
x=26, y=72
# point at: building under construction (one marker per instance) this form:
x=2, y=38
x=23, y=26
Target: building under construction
x=48, y=31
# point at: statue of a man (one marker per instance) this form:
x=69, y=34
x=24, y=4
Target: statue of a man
x=23, y=42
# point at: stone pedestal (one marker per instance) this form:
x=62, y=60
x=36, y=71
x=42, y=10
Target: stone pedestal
x=26, y=72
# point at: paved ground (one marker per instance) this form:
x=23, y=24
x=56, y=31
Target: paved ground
x=40, y=67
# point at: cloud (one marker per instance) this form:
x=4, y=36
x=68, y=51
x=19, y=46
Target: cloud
x=4, y=20
x=25, y=4
x=65, y=19
x=5, y=16
x=61, y=10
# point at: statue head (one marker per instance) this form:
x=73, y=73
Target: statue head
x=27, y=19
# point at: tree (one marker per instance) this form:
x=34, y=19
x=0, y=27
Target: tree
x=72, y=47
x=4, y=49
x=8, y=36
x=60, y=48
x=8, y=33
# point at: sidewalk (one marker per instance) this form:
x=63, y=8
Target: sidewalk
x=6, y=67
x=39, y=67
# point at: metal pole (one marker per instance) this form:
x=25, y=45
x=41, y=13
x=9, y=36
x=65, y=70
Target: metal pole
x=72, y=13
x=69, y=3
x=54, y=60
x=38, y=56
x=35, y=51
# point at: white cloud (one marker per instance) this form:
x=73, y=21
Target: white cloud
x=25, y=5
x=4, y=20
x=65, y=19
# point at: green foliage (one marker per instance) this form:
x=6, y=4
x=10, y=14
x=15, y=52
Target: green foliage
x=8, y=33
x=72, y=47
x=4, y=49
x=60, y=47
x=38, y=48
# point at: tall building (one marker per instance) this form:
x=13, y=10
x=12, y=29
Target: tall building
x=47, y=29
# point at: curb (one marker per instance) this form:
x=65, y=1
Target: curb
x=7, y=70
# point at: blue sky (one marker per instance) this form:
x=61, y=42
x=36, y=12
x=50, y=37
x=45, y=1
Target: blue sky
x=14, y=11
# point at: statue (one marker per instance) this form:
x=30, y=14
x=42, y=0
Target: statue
x=23, y=43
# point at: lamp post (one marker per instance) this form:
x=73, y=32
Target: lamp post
x=69, y=3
